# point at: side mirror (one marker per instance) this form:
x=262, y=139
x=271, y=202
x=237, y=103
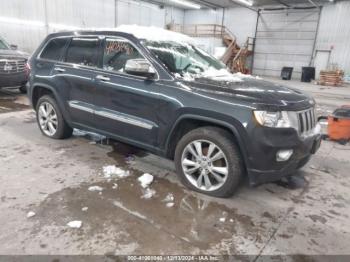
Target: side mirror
x=14, y=47
x=139, y=67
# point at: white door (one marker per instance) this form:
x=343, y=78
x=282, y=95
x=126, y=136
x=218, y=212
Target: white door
x=321, y=61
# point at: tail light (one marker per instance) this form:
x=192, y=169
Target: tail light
x=27, y=69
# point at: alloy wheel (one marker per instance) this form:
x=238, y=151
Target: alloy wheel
x=205, y=165
x=47, y=119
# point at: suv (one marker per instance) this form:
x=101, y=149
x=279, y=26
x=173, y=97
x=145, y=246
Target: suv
x=154, y=89
x=13, y=67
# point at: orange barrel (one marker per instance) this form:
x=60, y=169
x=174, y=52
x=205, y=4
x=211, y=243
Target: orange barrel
x=339, y=124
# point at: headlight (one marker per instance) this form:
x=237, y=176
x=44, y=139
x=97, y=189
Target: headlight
x=273, y=119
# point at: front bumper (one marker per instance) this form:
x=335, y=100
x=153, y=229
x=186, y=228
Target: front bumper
x=267, y=142
x=15, y=79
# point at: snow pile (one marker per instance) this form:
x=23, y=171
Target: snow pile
x=75, y=224
x=148, y=193
x=222, y=219
x=169, y=198
x=221, y=75
x=153, y=33
x=145, y=180
x=84, y=209
x=30, y=214
x=113, y=171
x=170, y=204
x=95, y=189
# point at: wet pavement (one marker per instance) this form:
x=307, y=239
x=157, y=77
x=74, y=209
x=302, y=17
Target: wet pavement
x=52, y=179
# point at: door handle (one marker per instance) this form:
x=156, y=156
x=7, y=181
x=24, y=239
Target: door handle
x=59, y=69
x=103, y=78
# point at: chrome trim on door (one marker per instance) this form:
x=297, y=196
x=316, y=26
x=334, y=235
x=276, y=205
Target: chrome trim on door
x=114, y=115
x=81, y=106
x=122, y=118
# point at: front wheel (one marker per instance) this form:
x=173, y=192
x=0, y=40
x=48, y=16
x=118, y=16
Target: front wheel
x=207, y=160
x=50, y=119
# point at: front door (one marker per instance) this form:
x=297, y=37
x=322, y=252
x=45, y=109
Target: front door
x=125, y=104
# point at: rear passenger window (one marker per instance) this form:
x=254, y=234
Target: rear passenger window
x=53, y=50
x=83, y=51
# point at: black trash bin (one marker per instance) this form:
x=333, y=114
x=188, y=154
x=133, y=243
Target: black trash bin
x=307, y=74
x=286, y=73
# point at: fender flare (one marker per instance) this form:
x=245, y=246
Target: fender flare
x=231, y=127
x=56, y=96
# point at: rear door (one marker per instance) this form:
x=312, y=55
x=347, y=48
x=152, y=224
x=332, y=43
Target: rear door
x=76, y=73
x=125, y=104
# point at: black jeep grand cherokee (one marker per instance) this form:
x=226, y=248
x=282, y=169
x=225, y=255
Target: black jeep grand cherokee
x=155, y=90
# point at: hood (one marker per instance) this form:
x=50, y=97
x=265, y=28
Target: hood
x=253, y=90
x=13, y=54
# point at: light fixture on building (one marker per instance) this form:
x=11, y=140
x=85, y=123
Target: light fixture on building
x=186, y=3
x=245, y=2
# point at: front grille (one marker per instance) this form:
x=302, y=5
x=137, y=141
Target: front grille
x=306, y=120
x=11, y=66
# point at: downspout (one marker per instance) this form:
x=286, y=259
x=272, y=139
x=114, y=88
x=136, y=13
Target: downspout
x=256, y=32
x=315, y=41
x=115, y=13
x=45, y=17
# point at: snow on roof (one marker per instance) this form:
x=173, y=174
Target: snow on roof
x=154, y=33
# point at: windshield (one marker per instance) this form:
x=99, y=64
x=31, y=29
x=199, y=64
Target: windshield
x=183, y=58
x=3, y=44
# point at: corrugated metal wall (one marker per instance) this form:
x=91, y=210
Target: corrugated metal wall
x=26, y=23
x=285, y=38
x=334, y=34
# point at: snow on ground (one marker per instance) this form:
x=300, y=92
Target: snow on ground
x=145, y=180
x=114, y=172
x=170, y=204
x=75, y=224
x=169, y=198
x=84, y=209
x=30, y=214
x=148, y=193
x=95, y=189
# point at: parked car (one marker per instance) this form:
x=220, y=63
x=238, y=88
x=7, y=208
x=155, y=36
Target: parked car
x=155, y=90
x=13, y=70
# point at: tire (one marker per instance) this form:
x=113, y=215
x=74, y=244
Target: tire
x=61, y=128
x=231, y=162
x=23, y=89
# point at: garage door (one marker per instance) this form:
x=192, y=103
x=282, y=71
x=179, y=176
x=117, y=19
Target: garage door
x=284, y=38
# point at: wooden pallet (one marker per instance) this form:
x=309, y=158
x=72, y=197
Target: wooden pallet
x=331, y=77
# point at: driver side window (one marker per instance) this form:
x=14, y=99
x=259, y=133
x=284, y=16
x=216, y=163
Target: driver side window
x=116, y=53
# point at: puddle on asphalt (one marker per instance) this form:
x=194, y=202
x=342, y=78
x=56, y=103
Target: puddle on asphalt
x=192, y=220
x=11, y=106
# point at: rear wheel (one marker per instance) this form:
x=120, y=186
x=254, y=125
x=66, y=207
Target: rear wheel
x=207, y=160
x=50, y=119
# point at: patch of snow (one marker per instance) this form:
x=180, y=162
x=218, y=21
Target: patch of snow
x=30, y=214
x=169, y=198
x=115, y=186
x=153, y=33
x=84, y=209
x=170, y=204
x=145, y=180
x=231, y=220
x=95, y=189
x=116, y=172
x=75, y=224
x=222, y=219
x=148, y=193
